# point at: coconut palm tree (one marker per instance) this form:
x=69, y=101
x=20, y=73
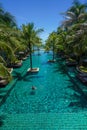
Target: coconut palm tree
x=7, y=53
x=75, y=14
x=5, y=74
x=38, y=44
x=30, y=33
x=13, y=38
x=6, y=18
x=3, y=61
x=75, y=24
x=52, y=43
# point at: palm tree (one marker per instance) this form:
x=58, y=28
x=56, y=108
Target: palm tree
x=9, y=42
x=75, y=14
x=7, y=53
x=5, y=74
x=12, y=37
x=6, y=18
x=75, y=25
x=30, y=33
x=51, y=42
x=38, y=44
x=2, y=61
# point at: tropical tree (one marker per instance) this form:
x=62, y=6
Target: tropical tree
x=4, y=73
x=6, y=18
x=53, y=42
x=30, y=33
x=38, y=43
x=7, y=53
x=75, y=14
x=75, y=25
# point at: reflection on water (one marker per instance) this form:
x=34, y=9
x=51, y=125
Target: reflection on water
x=32, y=92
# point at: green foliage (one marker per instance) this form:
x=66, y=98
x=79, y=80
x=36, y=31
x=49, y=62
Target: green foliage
x=7, y=53
x=5, y=73
x=6, y=18
x=2, y=61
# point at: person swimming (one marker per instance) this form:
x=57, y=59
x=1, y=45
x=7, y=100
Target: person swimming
x=34, y=88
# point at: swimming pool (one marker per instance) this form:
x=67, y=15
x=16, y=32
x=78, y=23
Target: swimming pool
x=55, y=93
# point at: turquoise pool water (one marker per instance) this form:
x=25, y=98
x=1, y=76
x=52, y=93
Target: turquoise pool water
x=55, y=93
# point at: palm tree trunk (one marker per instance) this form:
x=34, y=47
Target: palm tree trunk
x=53, y=51
x=30, y=55
x=38, y=50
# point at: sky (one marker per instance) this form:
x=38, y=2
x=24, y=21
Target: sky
x=44, y=14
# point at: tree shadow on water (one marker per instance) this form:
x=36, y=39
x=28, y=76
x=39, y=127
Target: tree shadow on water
x=19, y=76
x=1, y=96
x=32, y=92
x=75, y=88
x=60, y=69
x=2, y=118
x=81, y=102
x=79, y=99
x=27, y=76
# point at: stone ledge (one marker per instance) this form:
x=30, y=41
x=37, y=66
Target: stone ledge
x=51, y=61
x=33, y=70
